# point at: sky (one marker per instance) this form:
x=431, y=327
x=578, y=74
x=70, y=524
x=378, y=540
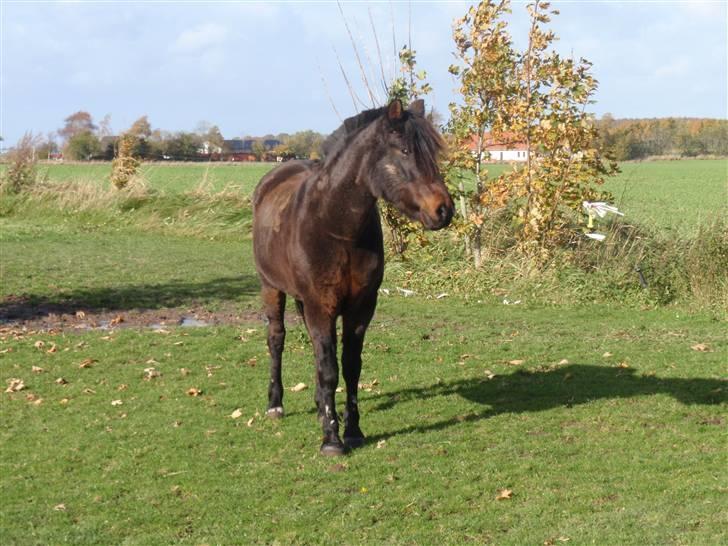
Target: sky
x=256, y=68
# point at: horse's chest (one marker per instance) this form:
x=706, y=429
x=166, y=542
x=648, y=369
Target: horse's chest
x=365, y=271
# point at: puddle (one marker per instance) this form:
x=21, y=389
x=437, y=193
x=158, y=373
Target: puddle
x=190, y=322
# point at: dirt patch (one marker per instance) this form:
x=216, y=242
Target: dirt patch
x=18, y=313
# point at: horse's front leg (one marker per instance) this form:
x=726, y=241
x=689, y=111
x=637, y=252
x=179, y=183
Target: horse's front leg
x=322, y=328
x=355, y=325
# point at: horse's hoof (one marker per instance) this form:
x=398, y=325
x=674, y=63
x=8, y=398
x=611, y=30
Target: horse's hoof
x=275, y=413
x=331, y=449
x=353, y=442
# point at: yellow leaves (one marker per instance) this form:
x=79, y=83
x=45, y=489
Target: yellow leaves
x=504, y=494
x=87, y=362
x=15, y=385
x=237, y=414
x=516, y=362
x=37, y=369
x=61, y=381
x=151, y=373
x=298, y=387
x=701, y=348
x=194, y=391
x=116, y=403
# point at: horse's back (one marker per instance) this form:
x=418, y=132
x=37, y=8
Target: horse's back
x=285, y=172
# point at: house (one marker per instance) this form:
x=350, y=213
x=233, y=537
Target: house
x=509, y=147
x=239, y=149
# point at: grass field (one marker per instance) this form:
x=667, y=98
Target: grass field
x=672, y=195
x=607, y=423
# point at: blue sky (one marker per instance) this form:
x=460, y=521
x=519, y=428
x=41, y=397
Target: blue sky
x=260, y=67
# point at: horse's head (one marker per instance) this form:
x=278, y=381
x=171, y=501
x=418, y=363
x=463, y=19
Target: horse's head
x=405, y=172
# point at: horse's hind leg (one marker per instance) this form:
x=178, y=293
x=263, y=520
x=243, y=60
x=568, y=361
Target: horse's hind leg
x=355, y=323
x=274, y=302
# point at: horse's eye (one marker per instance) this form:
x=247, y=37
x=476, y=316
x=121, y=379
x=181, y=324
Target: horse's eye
x=405, y=151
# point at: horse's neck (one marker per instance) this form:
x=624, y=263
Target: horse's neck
x=344, y=201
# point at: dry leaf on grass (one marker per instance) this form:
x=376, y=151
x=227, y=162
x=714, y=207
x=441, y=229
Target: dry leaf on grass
x=61, y=381
x=299, y=387
x=381, y=444
x=116, y=402
x=15, y=385
x=237, y=414
x=563, y=361
x=80, y=314
x=37, y=369
x=87, y=362
x=489, y=374
x=250, y=421
x=504, y=494
x=60, y=507
x=701, y=348
x=606, y=355
x=623, y=365
x=151, y=373
x=184, y=372
x=516, y=362
x=194, y=391
x=52, y=349
x=118, y=319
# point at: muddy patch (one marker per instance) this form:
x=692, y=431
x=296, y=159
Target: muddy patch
x=58, y=317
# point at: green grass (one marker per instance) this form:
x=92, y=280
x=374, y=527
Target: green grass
x=610, y=431
x=672, y=195
x=593, y=452
x=174, y=178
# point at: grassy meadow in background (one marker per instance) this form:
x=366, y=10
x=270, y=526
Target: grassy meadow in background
x=581, y=415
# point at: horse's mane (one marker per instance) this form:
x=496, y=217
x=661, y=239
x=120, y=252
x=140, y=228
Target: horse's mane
x=336, y=140
x=419, y=134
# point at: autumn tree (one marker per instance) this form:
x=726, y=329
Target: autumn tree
x=536, y=97
x=75, y=124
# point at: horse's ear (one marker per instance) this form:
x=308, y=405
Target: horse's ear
x=394, y=110
x=418, y=108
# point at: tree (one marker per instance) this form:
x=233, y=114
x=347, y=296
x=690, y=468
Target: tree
x=75, y=124
x=141, y=128
x=258, y=149
x=304, y=144
x=533, y=96
x=83, y=146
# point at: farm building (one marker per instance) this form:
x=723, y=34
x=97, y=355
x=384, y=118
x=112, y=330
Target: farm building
x=509, y=147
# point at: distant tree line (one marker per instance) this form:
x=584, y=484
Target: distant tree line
x=685, y=137
x=82, y=139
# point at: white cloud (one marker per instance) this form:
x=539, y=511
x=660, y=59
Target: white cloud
x=200, y=38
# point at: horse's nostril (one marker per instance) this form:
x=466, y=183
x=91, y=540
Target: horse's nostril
x=442, y=212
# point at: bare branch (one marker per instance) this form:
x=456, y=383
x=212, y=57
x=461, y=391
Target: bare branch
x=356, y=54
x=379, y=52
x=326, y=90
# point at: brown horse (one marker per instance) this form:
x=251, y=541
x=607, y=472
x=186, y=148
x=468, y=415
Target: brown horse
x=317, y=237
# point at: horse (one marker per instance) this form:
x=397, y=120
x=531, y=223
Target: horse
x=317, y=237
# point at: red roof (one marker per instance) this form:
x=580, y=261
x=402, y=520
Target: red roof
x=506, y=141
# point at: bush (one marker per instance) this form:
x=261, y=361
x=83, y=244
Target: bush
x=22, y=172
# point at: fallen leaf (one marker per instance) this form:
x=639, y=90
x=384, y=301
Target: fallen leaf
x=193, y=391
x=339, y=389
x=489, y=374
x=606, y=355
x=116, y=402
x=151, y=361
x=89, y=391
x=122, y=387
x=151, y=373
x=39, y=344
x=118, y=319
x=53, y=348
x=701, y=348
x=623, y=365
x=15, y=385
x=516, y=362
x=563, y=361
x=252, y=361
x=80, y=314
x=299, y=387
x=87, y=362
x=237, y=414
x=63, y=401
x=60, y=507
x=250, y=421
x=61, y=381
x=381, y=444
x=37, y=369
x=339, y=467
x=504, y=494
x=184, y=371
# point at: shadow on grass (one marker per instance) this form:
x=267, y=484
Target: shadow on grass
x=528, y=391
x=120, y=298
